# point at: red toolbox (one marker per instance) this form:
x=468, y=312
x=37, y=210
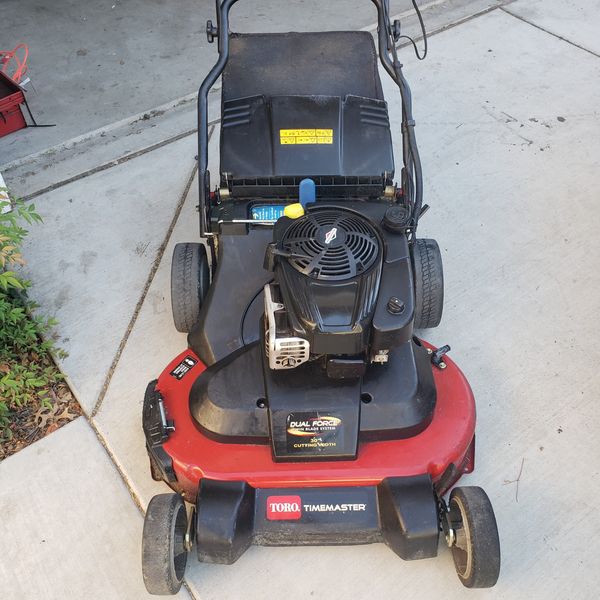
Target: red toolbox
x=11, y=97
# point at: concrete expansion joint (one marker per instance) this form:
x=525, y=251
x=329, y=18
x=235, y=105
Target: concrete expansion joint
x=560, y=37
x=116, y=162
x=151, y=275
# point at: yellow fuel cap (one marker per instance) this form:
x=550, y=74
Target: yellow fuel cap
x=293, y=211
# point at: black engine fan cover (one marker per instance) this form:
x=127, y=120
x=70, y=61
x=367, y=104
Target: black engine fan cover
x=329, y=270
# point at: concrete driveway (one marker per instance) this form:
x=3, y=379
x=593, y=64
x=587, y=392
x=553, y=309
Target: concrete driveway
x=508, y=124
x=93, y=64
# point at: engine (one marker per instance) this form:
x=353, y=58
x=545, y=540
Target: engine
x=327, y=267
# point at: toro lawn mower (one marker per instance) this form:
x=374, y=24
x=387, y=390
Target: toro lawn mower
x=305, y=409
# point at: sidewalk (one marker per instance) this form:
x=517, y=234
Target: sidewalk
x=508, y=123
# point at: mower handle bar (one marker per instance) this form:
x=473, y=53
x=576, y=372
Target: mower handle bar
x=389, y=60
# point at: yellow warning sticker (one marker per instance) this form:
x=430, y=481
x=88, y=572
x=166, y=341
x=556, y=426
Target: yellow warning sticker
x=306, y=136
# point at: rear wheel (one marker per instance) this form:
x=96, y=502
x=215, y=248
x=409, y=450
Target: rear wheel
x=476, y=545
x=429, y=283
x=190, y=278
x=164, y=553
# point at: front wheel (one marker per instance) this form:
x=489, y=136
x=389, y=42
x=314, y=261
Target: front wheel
x=164, y=552
x=476, y=545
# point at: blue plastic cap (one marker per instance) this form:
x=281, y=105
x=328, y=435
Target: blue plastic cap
x=307, y=192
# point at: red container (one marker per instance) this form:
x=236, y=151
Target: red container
x=11, y=97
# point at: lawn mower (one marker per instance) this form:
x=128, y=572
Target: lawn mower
x=305, y=410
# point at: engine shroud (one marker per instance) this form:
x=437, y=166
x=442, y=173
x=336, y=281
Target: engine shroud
x=332, y=290
x=329, y=270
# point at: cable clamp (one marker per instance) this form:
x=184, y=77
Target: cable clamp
x=407, y=124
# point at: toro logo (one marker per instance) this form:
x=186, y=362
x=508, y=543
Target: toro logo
x=284, y=508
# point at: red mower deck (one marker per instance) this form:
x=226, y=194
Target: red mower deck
x=447, y=440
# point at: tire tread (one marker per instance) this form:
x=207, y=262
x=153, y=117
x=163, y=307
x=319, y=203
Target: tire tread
x=185, y=281
x=159, y=578
x=429, y=283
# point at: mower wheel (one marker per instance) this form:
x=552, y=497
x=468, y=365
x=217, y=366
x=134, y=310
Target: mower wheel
x=429, y=283
x=164, y=553
x=476, y=547
x=190, y=279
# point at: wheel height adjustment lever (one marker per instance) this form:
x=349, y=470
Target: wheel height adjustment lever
x=438, y=356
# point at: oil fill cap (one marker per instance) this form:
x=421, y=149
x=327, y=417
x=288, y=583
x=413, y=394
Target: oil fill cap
x=293, y=211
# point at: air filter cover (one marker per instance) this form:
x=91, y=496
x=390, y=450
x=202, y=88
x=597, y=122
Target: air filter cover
x=331, y=245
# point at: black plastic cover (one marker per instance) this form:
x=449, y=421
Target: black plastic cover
x=239, y=278
x=224, y=520
x=389, y=329
x=228, y=400
x=324, y=80
x=333, y=63
x=231, y=402
x=400, y=512
x=355, y=141
x=311, y=416
x=156, y=432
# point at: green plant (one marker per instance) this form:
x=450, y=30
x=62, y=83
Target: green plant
x=26, y=368
x=11, y=238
